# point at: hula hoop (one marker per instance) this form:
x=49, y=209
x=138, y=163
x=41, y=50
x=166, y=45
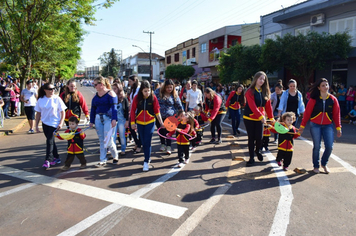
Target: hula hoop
x=69, y=134
x=190, y=137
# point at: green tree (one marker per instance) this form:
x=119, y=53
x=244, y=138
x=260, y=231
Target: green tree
x=179, y=72
x=23, y=23
x=303, y=54
x=239, y=63
x=111, y=63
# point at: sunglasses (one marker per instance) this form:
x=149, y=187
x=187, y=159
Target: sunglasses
x=96, y=84
x=49, y=89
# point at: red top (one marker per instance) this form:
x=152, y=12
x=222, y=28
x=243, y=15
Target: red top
x=321, y=111
x=235, y=105
x=145, y=114
x=74, y=108
x=215, y=111
x=257, y=112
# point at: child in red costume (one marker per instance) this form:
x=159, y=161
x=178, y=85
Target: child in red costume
x=285, y=141
x=75, y=145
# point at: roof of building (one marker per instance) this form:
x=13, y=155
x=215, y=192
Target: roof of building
x=146, y=55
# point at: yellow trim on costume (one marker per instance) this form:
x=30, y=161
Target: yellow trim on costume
x=338, y=128
x=145, y=123
x=315, y=116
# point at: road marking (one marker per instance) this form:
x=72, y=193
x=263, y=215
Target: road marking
x=109, y=224
x=151, y=206
x=281, y=218
x=333, y=156
x=18, y=189
x=193, y=221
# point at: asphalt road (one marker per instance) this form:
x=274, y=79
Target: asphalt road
x=215, y=194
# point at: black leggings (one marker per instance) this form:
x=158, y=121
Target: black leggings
x=51, y=148
x=216, y=123
x=255, y=134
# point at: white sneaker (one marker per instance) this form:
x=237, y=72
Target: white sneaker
x=146, y=166
x=163, y=148
x=169, y=150
x=180, y=164
x=186, y=161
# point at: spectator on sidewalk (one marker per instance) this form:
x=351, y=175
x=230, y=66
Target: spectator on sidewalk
x=51, y=111
x=341, y=97
x=29, y=98
x=194, y=97
x=5, y=89
x=350, y=97
x=352, y=115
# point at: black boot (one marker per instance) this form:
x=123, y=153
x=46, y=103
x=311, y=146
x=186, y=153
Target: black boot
x=259, y=155
x=251, y=162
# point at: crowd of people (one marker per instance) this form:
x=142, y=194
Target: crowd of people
x=131, y=110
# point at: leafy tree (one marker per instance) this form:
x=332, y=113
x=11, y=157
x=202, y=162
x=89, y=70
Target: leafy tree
x=239, y=63
x=179, y=72
x=303, y=54
x=24, y=23
x=111, y=61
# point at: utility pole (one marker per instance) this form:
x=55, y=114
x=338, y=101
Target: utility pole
x=148, y=32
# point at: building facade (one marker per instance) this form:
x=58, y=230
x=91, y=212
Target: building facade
x=139, y=65
x=92, y=72
x=183, y=54
x=330, y=16
x=212, y=44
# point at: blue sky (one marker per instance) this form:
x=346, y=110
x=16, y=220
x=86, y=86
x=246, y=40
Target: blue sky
x=172, y=21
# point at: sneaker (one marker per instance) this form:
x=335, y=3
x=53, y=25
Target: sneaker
x=30, y=131
x=326, y=169
x=275, y=141
x=194, y=148
x=279, y=163
x=285, y=168
x=316, y=170
x=180, y=164
x=46, y=165
x=55, y=161
x=163, y=148
x=186, y=161
x=266, y=149
x=146, y=167
x=259, y=156
x=115, y=161
x=83, y=166
x=212, y=140
x=64, y=168
x=100, y=164
x=169, y=150
x=219, y=141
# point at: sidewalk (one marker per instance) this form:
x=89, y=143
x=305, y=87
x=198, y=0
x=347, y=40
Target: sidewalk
x=12, y=125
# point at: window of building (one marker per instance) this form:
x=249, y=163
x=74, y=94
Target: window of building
x=234, y=42
x=169, y=58
x=193, y=52
x=274, y=35
x=188, y=54
x=303, y=31
x=203, y=47
x=176, y=57
x=344, y=25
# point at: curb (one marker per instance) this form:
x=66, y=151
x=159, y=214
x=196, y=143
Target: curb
x=16, y=128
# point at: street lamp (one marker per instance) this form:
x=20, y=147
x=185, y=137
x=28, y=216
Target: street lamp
x=139, y=48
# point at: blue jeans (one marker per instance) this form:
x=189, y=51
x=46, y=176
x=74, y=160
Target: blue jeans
x=6, y=108
x=235, y=119
x=349, y=106
x=102, y=126
x=121, y=128
x=327, y=133
x=145, y=132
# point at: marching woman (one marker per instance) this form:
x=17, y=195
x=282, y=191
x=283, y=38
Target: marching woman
x=169, y=104
x=144, y=108
x=257, y=102
x=74, y=101
x=323, y=109
x=122, y=115
x=104, y=115
x=50, y=110
x=134, y=88
x=291, y=100
x=234, y=102
x=217, y=111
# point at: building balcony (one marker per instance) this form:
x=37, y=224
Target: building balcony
x=215, y=54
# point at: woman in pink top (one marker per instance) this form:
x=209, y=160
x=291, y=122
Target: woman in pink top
x=350, y=97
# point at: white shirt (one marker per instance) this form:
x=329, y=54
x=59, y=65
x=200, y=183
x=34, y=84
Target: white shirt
x=29, y=95
x=50, y=109
x=194, y=98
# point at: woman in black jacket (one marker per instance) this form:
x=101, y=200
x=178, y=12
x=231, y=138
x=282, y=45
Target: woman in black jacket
x=122, y=114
